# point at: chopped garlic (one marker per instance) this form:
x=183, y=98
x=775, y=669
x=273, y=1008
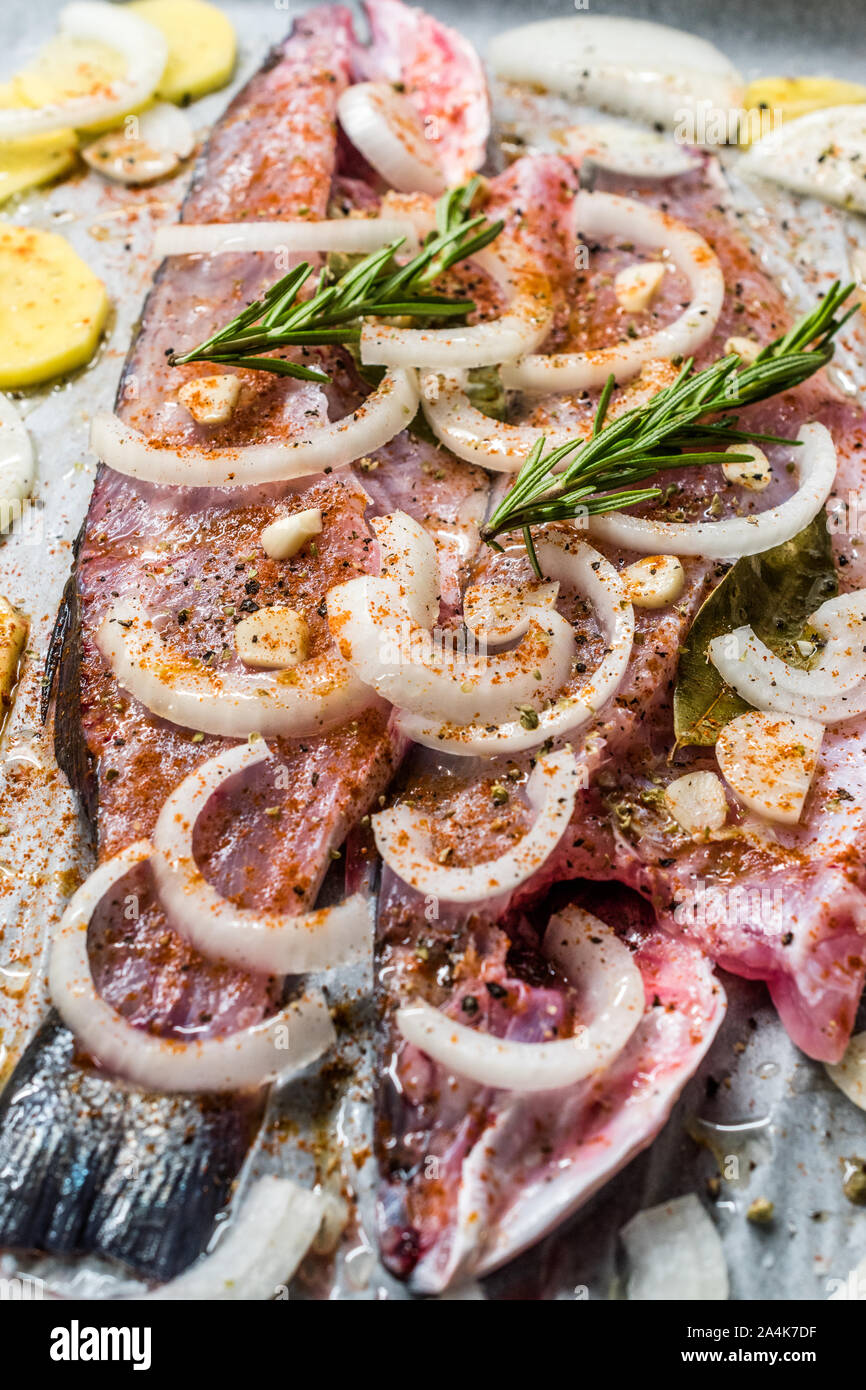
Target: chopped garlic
x=635, y=286
x=285, y=536
x=756, y=475
x=747, y=349
x=211, y=400
x=654, y=581
x=769, y=762
x=273, y=637
x=13, y=635
x=697, y=802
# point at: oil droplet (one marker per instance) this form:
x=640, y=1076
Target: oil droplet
x=767, y=1069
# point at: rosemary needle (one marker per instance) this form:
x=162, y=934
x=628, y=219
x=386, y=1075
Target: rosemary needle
x=659, y=433
x=375, y=285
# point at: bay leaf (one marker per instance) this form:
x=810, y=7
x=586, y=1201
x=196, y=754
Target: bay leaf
x=775, y=593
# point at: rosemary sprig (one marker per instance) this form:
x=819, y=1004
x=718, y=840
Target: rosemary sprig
x=658, y=434
x=375, y=285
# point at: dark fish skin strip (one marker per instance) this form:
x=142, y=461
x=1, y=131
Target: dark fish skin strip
x=87, y=1167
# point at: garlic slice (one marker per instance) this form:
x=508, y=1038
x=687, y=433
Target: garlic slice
x=697, y=802
x=273, y=637
x=636, y=286
x=756, y=476
x=285, y=536
x=747, y=349
x=211, y=400
x=655, y=581
x=769, y=762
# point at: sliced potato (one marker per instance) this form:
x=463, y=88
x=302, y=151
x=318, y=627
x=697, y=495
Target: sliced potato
x=796, y=96
x=52, y=310
x=36, y=160
x=67, y=68
x=13, y=635
x=201, y=46
x=769, y=761
x=29, y=163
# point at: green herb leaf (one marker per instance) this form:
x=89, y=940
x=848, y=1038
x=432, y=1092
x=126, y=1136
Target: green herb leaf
x=775, y=593
x=352, y=288
x=671, y=430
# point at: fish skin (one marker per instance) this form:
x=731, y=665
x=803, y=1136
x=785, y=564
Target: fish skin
x=471, y=1176
x=815, y=980
x=87, y=1167
x=122, y=763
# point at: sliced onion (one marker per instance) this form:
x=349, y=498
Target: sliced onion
x=498, y=613
x=474, y=436
x=17, y=465
x=408, y=556
x=345, y=234
x=572, y=563
x=423, y=672
x=735, y=536
x=849, y=1074
x=833, y=690
x=630, y=150
x=651, y=71
x=142, y=45
x=164, y=137
x=818, y=154
x=403, y=840
x=250, y=1057
x=385, y=127
x=384, y=413
x=318, y=694
x=522, y=327
x=596, y=961
x=601, y=215
x=496, y=445
x=269, y=942
x=675, y=1253
x=258, y=1252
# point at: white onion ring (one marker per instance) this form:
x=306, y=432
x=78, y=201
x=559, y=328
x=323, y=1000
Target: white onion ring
x=833, y=690
x=591, y=954
x=319, y=694
x=600, y=215
x=522, y=327
x=385, y=412
x=414, y=668
x=250, y=1057
x=142, y=45
x=272, y=943
x=474, y=436
x=572, y=563
x=815, y=462
x=259, y=1251
x=403, y=840
x=385, y=127
x=498, y=613
x=344, y=234
x=674, y=1252
x=629, y=150
x=17, y=465
x=408, y=555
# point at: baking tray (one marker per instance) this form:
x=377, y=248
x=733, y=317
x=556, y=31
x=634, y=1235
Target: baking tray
x=768, y=1115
